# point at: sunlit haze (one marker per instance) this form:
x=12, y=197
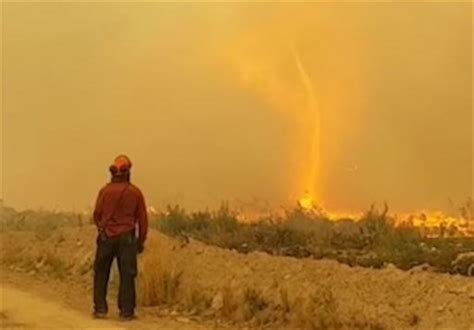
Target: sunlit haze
x=348, y=103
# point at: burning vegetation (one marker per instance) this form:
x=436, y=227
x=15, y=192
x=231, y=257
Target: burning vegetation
x=373, y=239
x=429, y=223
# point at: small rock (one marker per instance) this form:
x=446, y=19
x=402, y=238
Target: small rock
x=441, y=308
x=183, y=319
x=208, y=313
x=196, y=318
x=174, y=313
x=421, y=268
x=390, y=266
x=470, y=270
x=86, y=260
x=217, y=301
x=458, y=290
x=164, y=312
x=39, y=264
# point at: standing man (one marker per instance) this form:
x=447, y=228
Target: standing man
x=119, y=208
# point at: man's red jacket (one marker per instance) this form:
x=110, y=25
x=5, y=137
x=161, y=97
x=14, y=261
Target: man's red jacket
x=119, y=207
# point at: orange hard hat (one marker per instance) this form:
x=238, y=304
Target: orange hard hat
x=122, y=163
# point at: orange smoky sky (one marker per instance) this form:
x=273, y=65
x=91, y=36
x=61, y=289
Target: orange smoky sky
x=232, y=101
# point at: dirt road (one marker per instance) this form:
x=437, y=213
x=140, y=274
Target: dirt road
x=22, y=310
x=36, y=302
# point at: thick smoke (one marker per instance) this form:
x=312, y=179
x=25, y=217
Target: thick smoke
x=214, y=102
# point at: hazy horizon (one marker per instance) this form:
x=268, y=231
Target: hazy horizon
x=214, y=102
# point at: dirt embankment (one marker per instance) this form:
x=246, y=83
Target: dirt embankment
x=258, y=289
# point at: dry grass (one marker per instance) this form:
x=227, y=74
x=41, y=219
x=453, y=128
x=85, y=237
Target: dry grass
x=159, y=281
x=195, y=299
x=285, y=302
x=55, y=265
x=229, y=302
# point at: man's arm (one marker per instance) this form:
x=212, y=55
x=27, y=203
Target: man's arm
x=98, y=209
x=142, y=217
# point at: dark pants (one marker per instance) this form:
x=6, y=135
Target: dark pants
x=124, y=248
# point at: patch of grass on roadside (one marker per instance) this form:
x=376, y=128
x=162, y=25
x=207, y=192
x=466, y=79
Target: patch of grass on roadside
x=43, y=223
x=159, y=281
